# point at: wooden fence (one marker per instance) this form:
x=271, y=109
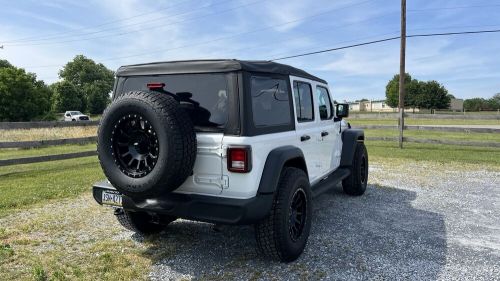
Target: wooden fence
x=45, y=124
x=84, y=140
x=42, y=143
x=393, y=115
x=435, y=141
x=46, y=158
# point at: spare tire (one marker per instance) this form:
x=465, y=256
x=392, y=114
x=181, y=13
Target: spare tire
x=146, y=144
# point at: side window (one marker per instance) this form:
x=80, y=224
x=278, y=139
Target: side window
x=270, y=102
x=325, y=105
x=302, y=94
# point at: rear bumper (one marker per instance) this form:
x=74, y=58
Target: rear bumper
x=197, y=207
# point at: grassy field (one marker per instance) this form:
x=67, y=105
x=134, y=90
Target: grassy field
x=22, y=186
x=47, y=133
x=18, y=153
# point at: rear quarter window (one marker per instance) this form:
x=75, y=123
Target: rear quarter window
x=270, y=101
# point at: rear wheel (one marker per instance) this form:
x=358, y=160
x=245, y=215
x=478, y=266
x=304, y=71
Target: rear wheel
x=283, y=234
x=356, y=183
x=141, y=222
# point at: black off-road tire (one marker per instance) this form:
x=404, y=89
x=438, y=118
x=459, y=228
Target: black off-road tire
x=355, y=184
x=142, y=223
x=274, y=235
x=174, y=136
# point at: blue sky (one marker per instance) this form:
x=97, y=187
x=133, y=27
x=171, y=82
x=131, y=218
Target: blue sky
x=41, y=36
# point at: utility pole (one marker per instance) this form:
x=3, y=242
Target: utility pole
x=402, y=74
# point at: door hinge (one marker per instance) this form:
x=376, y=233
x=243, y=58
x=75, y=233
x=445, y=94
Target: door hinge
x=222, y=182
x=218, y=150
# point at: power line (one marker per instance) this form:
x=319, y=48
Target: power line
x=140, y=23
x=454, y=33
x=454, y=8
x=385, y=40
x=234, y=35
x=185, y=20
x=336, y=49
x=98, y=25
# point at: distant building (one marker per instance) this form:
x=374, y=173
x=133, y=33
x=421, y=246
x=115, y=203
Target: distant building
x=371, y=106
x=457, y=105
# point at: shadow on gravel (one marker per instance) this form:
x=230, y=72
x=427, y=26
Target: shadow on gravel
x=376, y=236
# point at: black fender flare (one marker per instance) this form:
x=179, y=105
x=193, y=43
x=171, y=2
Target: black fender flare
x=350, y=138
x=276, y=160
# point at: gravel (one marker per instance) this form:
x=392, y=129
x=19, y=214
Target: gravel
x=417, y=221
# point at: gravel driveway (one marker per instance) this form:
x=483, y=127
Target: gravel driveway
x=417, y=221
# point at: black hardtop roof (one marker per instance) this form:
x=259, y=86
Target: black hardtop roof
x=212, y=66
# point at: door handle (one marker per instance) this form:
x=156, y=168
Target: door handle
x=305, y=138
x=324, y=134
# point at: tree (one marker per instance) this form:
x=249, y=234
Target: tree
x=22, y=97
x=98, y=96
x=5, y=63
x=433, y=95
x=495, y=102
x=418, y=94
x=81, y=71
x=95, y=80
x=474, y=104
x=67, y=97
x=392, y=90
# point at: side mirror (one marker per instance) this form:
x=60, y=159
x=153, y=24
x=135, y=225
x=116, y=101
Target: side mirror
x=342, y=110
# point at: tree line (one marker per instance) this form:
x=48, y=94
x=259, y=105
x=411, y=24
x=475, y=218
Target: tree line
x=84, y=86
x=433, y=95
x=480, y=104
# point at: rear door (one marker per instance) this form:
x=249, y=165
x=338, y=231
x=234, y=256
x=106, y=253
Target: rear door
x=207, y=175
x=308, y=132
x=330, y=133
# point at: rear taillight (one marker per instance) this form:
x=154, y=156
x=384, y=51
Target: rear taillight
x=239, y=159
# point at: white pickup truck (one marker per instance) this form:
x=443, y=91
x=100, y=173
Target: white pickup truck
x=75, y=116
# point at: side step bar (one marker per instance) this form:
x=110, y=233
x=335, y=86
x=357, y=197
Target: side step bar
x=330, y=182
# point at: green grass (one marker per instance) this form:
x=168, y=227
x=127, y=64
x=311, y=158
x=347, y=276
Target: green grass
x=22, y=186
x=411, y=121
x=383, y=151
x=18, y=153
x=436, y=135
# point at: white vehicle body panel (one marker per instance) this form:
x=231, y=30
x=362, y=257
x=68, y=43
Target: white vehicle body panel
x=212, y=178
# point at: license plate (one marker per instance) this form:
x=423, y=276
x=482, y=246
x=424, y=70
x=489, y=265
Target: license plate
x=111, y=198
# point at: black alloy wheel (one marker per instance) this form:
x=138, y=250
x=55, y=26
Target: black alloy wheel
x=135, y=145
x=298, y=214
x=363, y=173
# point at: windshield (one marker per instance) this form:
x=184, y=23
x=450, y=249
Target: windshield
x=76, y=113
x=204, y=96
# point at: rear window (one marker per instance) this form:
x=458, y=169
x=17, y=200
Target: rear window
x=204, y=96
x=270, y=102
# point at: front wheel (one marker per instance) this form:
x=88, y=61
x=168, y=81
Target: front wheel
x=283, y=234
x=141, y=222
x=356, y=183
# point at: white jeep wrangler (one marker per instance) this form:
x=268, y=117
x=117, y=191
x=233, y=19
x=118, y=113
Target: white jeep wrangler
x=227, y=142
